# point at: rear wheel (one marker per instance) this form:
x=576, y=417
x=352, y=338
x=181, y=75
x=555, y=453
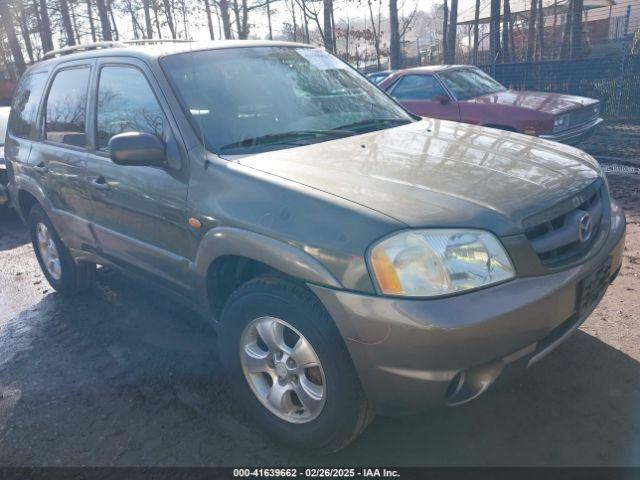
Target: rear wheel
x=289, y=367
x=63, y=273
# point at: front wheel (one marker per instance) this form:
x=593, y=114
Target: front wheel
x=289, y=367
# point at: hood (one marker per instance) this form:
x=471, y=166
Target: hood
x=551, y=103
x=439, y=173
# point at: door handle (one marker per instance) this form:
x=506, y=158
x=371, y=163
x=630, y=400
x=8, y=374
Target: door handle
x=100, y=184
x=41, y=168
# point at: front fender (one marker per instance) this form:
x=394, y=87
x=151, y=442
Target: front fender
x=279, y=255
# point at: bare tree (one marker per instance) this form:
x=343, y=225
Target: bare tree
x=46, y=38
x=92, y=25
x=24, y=29
x=576, y=28
x=395, y=52
x=445, y=24
x=476, y=38
x=103, y=15
x=506, y=19
x=329, y=39
x=168, y=12
x=6, y=16
x=531, y=29
x=540, y=48
x=146, y=8
x=451, y=33
x=494, y=30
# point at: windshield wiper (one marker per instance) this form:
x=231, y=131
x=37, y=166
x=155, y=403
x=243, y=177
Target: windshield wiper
x=286, y=138
x=374, y=123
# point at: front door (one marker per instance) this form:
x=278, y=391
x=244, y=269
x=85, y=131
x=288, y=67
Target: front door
x=423, y=95
x=140, y=214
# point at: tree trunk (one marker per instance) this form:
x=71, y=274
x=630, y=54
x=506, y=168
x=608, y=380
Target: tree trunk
x=531, y=30
x=452, y=33
x=226, y=19
x=92, y=25
x=395, y=53
x=14, y=45
x=269, y=20
x=147, y=18
x=207, y=9
x=494, y=31
x=293, y=18
x=445, y=36
x=114, y=26
x=24, y=30
x=168, y=13
x=576, y=28
x=506, y=18
x=156, y=16
x=103, y=15
x=476, y=33
x=565, y=49
x=236, y=14
x=540, y=31
x=328, y=25
x=45, y=31
x=305, y=20
x=376, y=36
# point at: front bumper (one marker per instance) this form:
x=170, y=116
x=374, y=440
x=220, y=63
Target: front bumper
x=573, y=136
x=413, y=354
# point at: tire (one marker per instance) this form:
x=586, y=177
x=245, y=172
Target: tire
x=69, y=277
x=345, y=412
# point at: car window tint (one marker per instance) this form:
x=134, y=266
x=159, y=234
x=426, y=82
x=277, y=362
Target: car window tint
x=417, y=87
x=24, y=110
x=66, y=107
x=126, y=103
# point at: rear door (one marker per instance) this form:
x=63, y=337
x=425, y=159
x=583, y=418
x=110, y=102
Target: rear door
x=423, y=95
x=139, y=213
x=58, y=158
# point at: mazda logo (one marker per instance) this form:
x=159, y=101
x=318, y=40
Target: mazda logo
x=584, y=227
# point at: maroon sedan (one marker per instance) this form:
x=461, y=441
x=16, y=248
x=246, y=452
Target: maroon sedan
x=467, y=94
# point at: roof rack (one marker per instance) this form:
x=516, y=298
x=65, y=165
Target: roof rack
x=81, y=48
x=154, y=41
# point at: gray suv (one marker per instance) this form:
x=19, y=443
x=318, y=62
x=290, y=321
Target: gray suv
x=354, y=259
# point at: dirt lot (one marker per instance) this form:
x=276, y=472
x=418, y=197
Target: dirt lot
x=122, y=376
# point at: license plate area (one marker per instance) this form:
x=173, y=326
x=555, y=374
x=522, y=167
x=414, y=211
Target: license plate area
x=592, y=288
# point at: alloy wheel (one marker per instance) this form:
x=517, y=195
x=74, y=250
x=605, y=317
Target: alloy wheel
x=282, y=369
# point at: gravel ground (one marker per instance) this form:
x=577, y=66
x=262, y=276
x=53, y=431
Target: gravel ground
x=122, y=376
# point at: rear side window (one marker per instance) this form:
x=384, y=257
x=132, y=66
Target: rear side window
x=417, y=87
x=22, y=122
x=126, y=103
x=66, y=107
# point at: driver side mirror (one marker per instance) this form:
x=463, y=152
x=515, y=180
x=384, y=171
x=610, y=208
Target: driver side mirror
x=442, y=99
x=137, y=149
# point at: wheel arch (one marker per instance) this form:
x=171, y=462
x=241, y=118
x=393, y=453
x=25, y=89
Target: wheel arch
x=229, y=256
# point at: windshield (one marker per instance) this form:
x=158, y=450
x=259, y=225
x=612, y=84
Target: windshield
x=470, y=83
x=4, y=119
x=253, y=99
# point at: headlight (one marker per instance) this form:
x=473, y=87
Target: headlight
x=561, y=122
x=428, y=263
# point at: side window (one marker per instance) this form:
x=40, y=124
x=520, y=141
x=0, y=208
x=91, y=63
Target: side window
x=66, y=107
x=417, y=87
x=126, y=103
x=22, y=121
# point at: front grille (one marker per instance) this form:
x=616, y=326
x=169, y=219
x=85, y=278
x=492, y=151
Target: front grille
x=583, y=115
x=556, y=237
